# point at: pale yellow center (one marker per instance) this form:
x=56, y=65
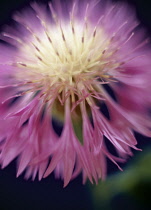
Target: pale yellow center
x=65, y=51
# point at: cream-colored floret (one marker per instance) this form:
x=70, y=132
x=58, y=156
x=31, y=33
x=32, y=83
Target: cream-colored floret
x=64, y=51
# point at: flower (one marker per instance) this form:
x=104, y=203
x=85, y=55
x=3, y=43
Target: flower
x=65, y=64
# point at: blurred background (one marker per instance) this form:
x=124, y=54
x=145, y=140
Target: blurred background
x=130, y=189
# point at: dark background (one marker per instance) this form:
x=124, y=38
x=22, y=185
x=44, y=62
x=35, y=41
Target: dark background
x=49, y=193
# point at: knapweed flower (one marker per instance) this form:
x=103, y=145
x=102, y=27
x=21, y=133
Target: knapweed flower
x=67, y=62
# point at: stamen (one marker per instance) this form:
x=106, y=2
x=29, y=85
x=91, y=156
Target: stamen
x=12, y=37
x=53, y=14
x=82, y=39
x=119, y=28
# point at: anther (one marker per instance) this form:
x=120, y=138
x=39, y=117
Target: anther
x=103, y=52
x=36, y=48
x=57, y=53
x=122, y=63
x=83, y=39
x=73, y=31
x=49, y=39
x=63, y=37
x=39, y=58
x=94, y=33
x=37, y=38
x=22, y=64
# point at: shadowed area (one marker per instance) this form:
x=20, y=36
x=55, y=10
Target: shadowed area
x=129, y=189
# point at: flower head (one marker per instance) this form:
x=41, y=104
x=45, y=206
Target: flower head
x=65, y=62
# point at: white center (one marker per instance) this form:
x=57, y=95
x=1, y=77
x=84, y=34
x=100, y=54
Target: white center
x=65, y=51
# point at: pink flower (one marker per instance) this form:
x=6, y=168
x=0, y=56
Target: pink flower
x=65, y=63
